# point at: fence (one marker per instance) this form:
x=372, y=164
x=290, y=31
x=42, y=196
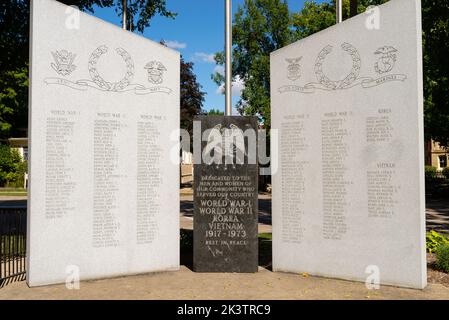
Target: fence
x=12, y=245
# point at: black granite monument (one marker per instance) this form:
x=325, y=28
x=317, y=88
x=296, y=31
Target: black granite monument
x=225, y=196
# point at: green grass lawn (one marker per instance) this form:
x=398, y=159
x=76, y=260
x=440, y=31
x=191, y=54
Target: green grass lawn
x=265, y=247
x=13, y=192
x=265, y=236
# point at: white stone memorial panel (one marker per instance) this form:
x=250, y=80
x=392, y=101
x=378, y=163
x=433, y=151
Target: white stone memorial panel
x=104, y=191
x=348, y=197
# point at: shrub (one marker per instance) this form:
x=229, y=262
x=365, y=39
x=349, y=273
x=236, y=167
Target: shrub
x=12, y=168
x=20, y=170
x=430, y=172
x=442, y=255
x=435, y=240
x=446, y=172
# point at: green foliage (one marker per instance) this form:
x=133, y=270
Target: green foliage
x=14, y=47
x=145, y=10
x=430, y=172
x=12, y=168
x=313, y=18
x=435, y=23
x=446, y=172
x=260, y=27
x=215, y=112
x=266, y=236
x=192, y=97
x=14, y=42
x=8, y=158
x=14, y=16
x=13, y=100
x=139, y=12
x=14, y=23
x=442, y=255
x=265, y=249
x=434, y=240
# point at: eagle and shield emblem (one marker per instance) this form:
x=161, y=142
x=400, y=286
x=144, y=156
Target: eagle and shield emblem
x=63, y=64
x=231, y=144
x=155, y=71
x=387, y=59
x=294, y=68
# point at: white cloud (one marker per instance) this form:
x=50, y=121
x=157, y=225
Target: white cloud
x=237, y=86
x=175, y=44
x=205, y=57
x=220, y=70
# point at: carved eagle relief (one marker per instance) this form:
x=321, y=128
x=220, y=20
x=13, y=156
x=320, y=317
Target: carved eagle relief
x=231, y=143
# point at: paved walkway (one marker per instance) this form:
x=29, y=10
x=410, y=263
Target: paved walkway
x=185, y=284
x=13, y=201
x=437, y=215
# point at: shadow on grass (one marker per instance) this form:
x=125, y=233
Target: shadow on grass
x=265, y=251
x=186, y=246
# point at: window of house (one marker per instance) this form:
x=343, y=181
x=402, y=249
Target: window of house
x=443, y=161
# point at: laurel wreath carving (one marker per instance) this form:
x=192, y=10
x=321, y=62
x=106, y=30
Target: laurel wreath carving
x=349, y=79
x=98, y=80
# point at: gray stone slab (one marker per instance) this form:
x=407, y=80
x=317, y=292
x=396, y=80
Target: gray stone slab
x=225, y=202
x=348, y=195
x=104, y=112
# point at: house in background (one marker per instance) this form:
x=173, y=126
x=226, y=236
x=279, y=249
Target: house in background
x=21, y=145
x=186, y=167
x=436, y=155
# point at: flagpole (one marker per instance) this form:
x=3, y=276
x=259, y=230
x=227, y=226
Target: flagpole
x=228, y=67
x=124, y=14
x=339, y=10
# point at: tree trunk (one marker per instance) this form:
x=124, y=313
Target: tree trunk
x=353, y=8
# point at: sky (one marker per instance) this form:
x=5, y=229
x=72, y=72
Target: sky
x=197, y=33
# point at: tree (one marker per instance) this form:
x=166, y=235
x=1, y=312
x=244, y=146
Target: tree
x=435, y=22
x=13, y=101
x=260, y=27
x=192, y=97
x=14, y=18
x=215, y=112
x=12, y=167
x=14, y=46
x=13, y=65
x=313, y=18
x=139, y=12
